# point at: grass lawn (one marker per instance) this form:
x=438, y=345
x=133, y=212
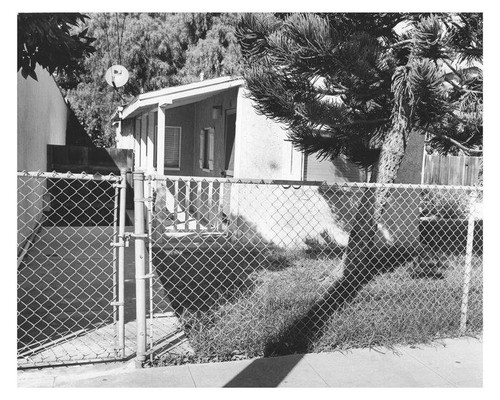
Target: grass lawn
x=270, y=290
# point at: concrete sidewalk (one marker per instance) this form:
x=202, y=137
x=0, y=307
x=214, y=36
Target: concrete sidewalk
x=444, y=363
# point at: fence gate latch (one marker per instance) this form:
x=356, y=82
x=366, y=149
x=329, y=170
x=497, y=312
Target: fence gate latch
x=125, y=242
x=126, y=238
x=130, y=235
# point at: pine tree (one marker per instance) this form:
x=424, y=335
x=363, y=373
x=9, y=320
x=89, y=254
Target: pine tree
x=360, y=85
x=342, y=82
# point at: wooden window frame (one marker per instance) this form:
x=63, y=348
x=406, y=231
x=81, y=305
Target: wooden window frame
x=208, y=140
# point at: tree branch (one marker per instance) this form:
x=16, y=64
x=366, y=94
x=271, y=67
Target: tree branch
x=453, y=70
x=455, y=143
x=457, y=118
x=360, y=122
x=401, y=43
x=369, y=93
x=329, y=92
x=461, y=88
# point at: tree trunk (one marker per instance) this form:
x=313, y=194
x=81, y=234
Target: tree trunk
x=358, y=259
x=362, y=258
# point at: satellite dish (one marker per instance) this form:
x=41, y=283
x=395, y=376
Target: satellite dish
x=116, y=76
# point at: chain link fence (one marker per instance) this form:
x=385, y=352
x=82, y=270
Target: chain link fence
x=252, y=268
x=240, y=268
x=67, y=269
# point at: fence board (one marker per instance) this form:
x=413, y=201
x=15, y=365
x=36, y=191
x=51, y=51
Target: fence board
x=451, y=170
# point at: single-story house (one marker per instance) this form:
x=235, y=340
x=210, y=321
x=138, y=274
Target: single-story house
x=211, y=129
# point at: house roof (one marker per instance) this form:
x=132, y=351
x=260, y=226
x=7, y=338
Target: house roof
x=178, y=95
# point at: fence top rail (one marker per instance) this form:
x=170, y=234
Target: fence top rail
x=70, y=175
x=296, y=183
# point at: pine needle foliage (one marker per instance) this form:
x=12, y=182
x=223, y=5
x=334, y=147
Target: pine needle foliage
x=338, y=81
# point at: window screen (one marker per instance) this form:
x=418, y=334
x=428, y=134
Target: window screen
x=172, y=147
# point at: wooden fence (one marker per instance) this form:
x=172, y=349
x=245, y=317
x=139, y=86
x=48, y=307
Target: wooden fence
x=92, y=160
x=451, y=170
x=89, y=159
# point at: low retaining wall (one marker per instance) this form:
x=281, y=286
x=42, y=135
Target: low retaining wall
x=293, y=217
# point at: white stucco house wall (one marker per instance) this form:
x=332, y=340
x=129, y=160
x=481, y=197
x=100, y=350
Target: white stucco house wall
x=42, y=116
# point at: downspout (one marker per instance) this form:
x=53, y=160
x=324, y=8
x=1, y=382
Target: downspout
x=117, y=119
x=422, y=175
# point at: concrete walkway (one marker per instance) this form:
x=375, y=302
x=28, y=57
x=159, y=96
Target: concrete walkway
x=445, y=363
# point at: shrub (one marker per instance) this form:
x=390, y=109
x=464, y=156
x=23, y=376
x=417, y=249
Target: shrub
x=444, y=204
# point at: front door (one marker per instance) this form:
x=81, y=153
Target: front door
x=229, y=143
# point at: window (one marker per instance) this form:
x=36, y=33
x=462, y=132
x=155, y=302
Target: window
x=207, y=149
x=172, y=147
x=230, y=127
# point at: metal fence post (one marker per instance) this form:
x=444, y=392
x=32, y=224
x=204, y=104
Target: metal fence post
x=116, y=235
x=149, y=221
x=140, y=265
x=121, y=262
x=468, y=263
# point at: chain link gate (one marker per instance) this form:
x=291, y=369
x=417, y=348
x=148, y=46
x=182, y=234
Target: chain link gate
x=262, y=267
x=70, y=265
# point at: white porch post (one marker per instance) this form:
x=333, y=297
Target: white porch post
x=160, y=146
x=144, y=133
x=151, y=142
x=137, y=144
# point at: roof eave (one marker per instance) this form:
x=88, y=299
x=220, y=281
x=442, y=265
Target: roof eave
x=170, y=95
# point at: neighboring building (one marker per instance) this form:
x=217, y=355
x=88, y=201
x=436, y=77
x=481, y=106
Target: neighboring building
x=210, y=128
x=43, y=118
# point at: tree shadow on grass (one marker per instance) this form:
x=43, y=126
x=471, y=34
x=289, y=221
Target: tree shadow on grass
x=302, y=333
x=202, y=278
